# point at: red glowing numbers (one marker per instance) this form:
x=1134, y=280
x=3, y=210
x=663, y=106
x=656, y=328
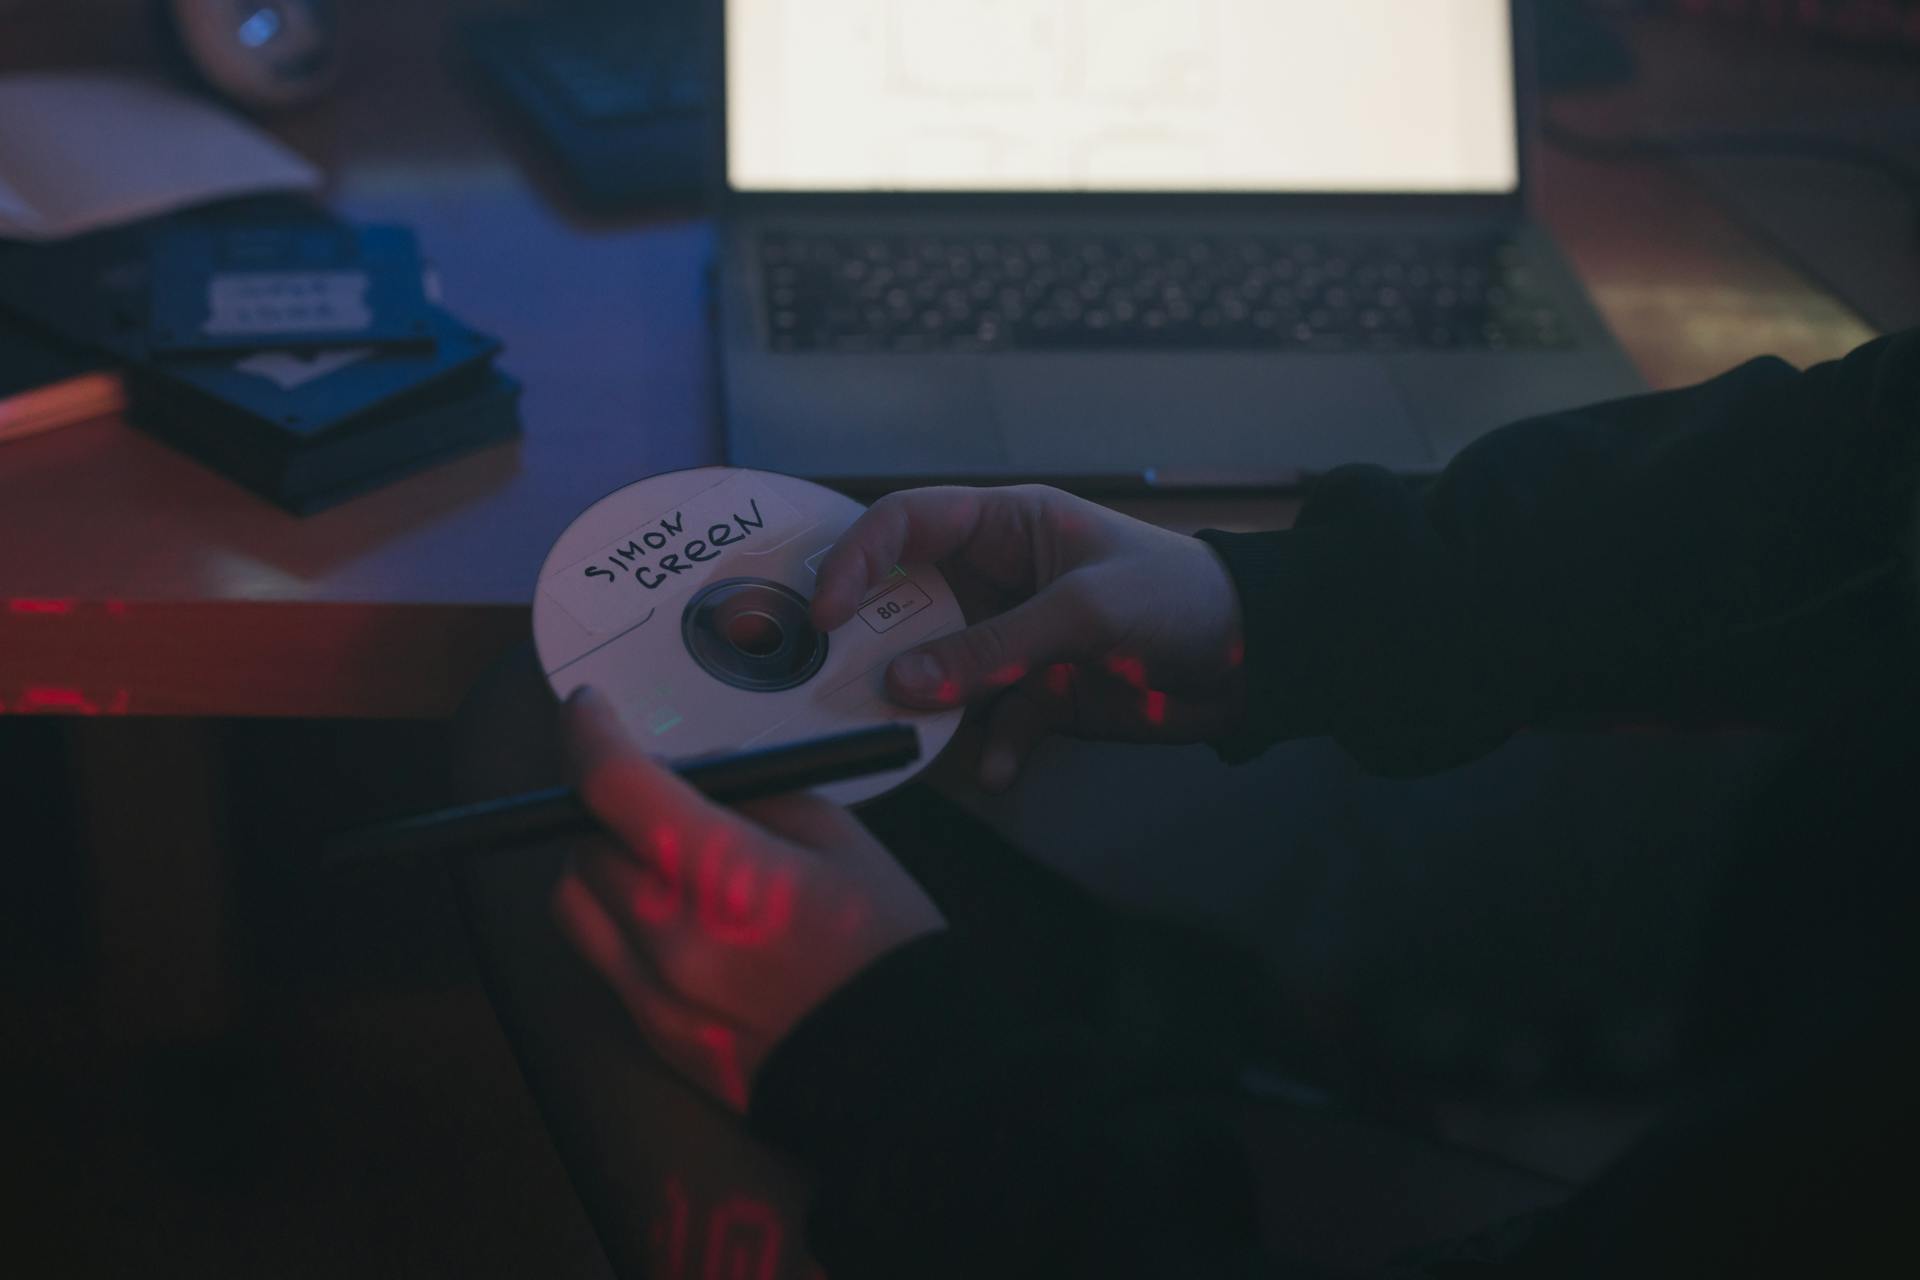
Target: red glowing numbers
x=743, y=1241
x=65, y=699
x=45, y=697
x=739, y=1238
x=734, y=902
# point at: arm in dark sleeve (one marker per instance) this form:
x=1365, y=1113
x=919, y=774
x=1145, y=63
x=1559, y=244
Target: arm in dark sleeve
x=1731, y=551
x=965, y=1121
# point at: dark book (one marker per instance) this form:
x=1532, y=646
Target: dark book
x=305, y=428
x=292, y=286
x=304, y=474
x=302, y=427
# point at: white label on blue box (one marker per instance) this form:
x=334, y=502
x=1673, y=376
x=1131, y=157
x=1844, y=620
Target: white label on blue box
x=264, y=303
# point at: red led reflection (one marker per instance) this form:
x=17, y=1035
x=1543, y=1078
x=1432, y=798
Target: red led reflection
x=670, y=1232
x=743, y=1241
x=735, y=903
x=741, y=905
x=723, y=1046
x=1154, y=707
x=657, y=900
x=744, y=1238
x=57, y=697
x=1011, y=673
x=68, y=700
x=63, y=698
x=1130, y=669
x=1060, y=679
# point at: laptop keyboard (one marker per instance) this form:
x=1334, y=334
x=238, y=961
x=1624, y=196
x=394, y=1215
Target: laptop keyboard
x=919, y=293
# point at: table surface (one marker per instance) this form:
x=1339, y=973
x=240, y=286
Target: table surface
x=136, y=581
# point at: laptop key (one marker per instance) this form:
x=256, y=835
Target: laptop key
x=1039, y=293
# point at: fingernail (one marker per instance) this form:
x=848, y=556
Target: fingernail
x=997, y=768
x=918, y=673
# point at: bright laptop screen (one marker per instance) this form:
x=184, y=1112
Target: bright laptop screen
x=1121, y=95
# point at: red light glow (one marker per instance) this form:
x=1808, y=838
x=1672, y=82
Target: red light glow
x=657, y=900
x=729, y=1081
x=740, y=906
x=65, y=699
x=670, y=1233
x=56, y=697
x=743, y=1240
x=1011, y=673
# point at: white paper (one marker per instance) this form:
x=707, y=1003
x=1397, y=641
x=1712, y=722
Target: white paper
x=82, y=151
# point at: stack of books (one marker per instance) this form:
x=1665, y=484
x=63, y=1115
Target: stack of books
x=302, y=357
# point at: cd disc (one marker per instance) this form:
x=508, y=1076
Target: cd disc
x=683, y=598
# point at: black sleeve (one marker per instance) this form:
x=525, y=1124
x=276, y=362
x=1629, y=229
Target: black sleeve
x=962, y=1120
x=1734, y=551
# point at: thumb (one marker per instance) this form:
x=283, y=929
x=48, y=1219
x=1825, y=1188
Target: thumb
x=1053, y=626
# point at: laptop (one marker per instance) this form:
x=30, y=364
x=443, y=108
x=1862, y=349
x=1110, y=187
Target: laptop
x=1133, y=244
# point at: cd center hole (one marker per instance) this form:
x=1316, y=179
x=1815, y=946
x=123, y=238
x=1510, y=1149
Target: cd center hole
x=755, y=633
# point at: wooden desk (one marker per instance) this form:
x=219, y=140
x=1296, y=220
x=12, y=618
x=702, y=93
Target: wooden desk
x=137, y=582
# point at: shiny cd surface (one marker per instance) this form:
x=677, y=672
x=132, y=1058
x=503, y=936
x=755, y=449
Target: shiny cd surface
x=683, y=597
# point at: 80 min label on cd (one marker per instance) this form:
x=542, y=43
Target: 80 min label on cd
x=684, y=598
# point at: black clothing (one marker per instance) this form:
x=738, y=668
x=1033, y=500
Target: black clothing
x=1740, y=551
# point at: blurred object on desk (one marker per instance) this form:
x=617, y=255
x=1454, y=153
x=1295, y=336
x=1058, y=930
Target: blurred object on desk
x=260, y=53
x=1882, y=25
x=303, y=428
x=46, y=384
x=1854, y=229
x=1813, y=145
x=83, y=151
x=616, y=91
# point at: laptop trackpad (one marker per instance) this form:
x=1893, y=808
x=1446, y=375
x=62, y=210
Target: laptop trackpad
x=1240, y=417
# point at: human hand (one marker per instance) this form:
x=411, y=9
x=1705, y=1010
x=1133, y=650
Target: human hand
x=720, y=929
x=1099, y=624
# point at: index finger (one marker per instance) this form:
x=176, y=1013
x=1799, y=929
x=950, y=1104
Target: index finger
x=912, y=525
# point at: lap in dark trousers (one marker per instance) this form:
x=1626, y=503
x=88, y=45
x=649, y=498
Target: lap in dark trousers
x=674, y=1184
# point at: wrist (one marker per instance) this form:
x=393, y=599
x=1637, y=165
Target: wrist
x=1218, y=622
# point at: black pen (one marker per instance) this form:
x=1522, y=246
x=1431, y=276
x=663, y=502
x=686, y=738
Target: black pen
x=726, y=779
